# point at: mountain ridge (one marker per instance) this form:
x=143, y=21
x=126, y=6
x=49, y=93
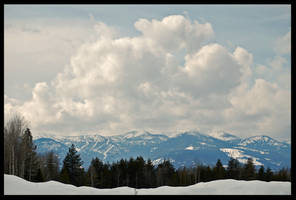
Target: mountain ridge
x=183, y=149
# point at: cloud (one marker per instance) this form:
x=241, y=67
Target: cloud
x=113, y=84
x=265, y=103
x=210, y=70
x=261, y=93
x=41, y=47
x=277, y=70
x=41, y=109
x=265, y=108
x=245, y=59
x=175, y=32
x=283, y=44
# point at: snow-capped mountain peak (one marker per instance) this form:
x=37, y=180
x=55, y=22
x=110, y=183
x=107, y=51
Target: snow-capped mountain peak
x=260, y=140
x=221, y=135
x=133, y=134
x=192, y=133
x=287, y=141
x=184, y=148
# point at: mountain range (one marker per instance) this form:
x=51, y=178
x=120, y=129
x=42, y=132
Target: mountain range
x=183, y=149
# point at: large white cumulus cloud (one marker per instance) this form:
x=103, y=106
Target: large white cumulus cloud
x=115, y=84
x=211, y=70
x=175, y=32
x=264, y=108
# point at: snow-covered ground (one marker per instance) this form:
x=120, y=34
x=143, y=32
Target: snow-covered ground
x=14, y=185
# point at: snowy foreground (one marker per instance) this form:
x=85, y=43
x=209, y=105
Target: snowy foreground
x=14, y=185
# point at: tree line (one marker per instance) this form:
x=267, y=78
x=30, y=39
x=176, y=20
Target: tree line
x=138, y=173
x=20, y=156
x=21, y=159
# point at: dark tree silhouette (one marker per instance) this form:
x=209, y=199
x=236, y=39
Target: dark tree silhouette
x=73, y=164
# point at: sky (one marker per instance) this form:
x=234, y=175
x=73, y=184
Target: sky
x=110, y=69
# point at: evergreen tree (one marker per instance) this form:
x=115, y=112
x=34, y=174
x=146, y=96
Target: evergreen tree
x=268, y=174
x=39, y=176
x=137, y=173
x=51, y=166
x=168, y=172
x=182, y=176
x=233, y=169
x=261, y=173
x=159, y=175
x=96, y=173
x=197, y=174
x=123, y=167
x=219, y=171
x=31, y=161
x=282, y=175
x=65, y=175
x=149, y=174
x=90, y=175
x=73, y=164
x=208, y=174
x=106, y=176
x=140, y=164
x=249, y=170
x=202, y=174
x=82, y=177
x=132, y=173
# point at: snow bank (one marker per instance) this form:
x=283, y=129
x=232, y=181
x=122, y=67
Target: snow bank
x=14, y=185
x=225, y=187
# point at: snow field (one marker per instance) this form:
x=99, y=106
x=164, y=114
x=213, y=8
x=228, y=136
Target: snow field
x=14, y=185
